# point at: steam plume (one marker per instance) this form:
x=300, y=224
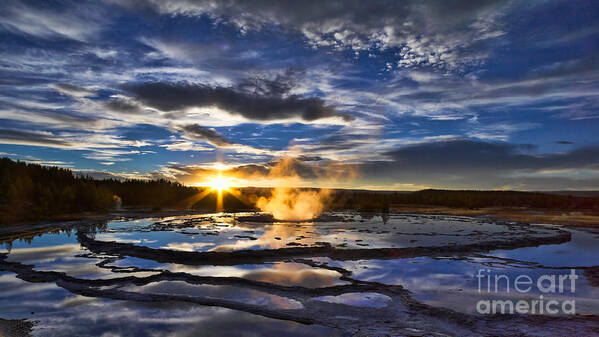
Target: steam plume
x=290, y=203
x=287, y=203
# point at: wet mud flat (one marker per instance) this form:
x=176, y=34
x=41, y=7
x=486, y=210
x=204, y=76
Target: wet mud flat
x=345, y=274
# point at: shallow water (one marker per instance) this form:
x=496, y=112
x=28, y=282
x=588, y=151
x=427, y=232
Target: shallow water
x=217, y=233
x=368, y=273
x=281, y=273
x=366, y=299
x=57, y=312
x=454, y=284
x=582, y=250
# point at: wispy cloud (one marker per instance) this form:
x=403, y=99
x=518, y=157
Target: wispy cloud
x=380, y=86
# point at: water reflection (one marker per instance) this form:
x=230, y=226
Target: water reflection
x=582, y=250
x=222, y=292
x=295, y=274
x=443, y=282
x=453, y=284
x=69, y=258
x=280, y=273
x=59, y=313
x=367, y=299
x=226, y=233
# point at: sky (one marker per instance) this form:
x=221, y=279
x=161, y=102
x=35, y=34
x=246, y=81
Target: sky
x=393, y=95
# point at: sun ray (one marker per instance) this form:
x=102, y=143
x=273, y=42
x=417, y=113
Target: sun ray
x=189, y=202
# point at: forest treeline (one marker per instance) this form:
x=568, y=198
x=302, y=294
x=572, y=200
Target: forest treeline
x=33, y=192
x=380, y=201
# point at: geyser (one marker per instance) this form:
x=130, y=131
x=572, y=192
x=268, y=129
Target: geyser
x=287, y=203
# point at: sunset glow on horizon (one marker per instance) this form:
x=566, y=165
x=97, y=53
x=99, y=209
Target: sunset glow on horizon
x=383, y=95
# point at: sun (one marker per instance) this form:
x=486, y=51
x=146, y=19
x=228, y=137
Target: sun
x=219, y=183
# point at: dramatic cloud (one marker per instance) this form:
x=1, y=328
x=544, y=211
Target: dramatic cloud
x=178, y=96
x=200, y=133
x=32, y=138
x=267, y=174
x=309, y=158
x=410, y=94
x=99, y=147
x=124, y=106
x=466, y=155
x=464, y=163
x=457, y=163
x=451, y=27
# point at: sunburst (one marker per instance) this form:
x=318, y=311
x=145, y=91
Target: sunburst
x=219, y=183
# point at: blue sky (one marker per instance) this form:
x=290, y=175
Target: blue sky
x=381, y=94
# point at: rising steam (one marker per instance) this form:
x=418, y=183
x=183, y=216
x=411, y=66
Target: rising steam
x=290, y=203
x=287, y=203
